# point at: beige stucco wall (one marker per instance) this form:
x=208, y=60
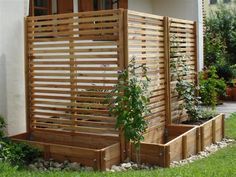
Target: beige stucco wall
x=12, y=99
x=140, y=5
x=184, y=9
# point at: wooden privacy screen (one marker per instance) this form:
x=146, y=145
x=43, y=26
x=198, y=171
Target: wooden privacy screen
x=183, y=35
x=146, y=44
x=73, y=61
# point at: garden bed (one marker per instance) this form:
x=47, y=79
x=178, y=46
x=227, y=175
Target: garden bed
x=212, y=131
x=89, y=150
x=180, y=142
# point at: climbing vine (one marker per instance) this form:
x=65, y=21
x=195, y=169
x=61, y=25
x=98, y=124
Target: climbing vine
x=186, y=90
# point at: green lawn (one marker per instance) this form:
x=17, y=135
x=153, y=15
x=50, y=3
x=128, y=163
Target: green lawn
x=221, y=164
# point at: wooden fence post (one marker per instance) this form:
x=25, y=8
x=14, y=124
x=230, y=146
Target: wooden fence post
x=223, y=126
x=123, y=63
x=167, y=70
x=27, y=75
x=184, y=147
x=196, y=53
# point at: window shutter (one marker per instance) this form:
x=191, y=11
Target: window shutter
x=85, y=5
x=64, y=6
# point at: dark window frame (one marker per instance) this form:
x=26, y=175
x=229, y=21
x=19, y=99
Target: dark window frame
x=213, y=2
x=227, y=1
x=46, y=8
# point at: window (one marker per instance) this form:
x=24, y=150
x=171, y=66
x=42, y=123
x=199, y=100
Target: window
x=44, y=7
x=94, y=5
x=40, y=7
x=227, y=1
x=213, y=1
x=105, y=4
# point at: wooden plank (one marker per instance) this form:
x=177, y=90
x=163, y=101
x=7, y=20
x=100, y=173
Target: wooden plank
x=150, y=153
x=74, y=20
x=167, y=156
x=167, y=71
x=27, y=78
x=184, y=147
x=110, y=156
x=198, y=140
x=196, y=64
x=202, y=138
x=141, y=14
x=213, y=131
x=223, y=126
x=76, y=44
x=176, y=130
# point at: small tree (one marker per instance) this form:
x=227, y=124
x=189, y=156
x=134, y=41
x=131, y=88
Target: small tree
x=130, y=105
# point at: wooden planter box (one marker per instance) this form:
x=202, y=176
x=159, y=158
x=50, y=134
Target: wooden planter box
x=182, y=142
x=99, y=153
x=212, y=131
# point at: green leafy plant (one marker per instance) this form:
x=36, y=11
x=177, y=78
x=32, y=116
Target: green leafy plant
x=227, y=72
x=208, y=114
x=131, y=103
x=15, y=153
x=19, y=154
x=2, y=126
x=211, y=87
x=220, y=26
x=214, y=50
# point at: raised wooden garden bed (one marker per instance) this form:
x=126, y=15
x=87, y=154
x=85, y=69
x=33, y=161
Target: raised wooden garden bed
x=89, y=150
x=180, y=142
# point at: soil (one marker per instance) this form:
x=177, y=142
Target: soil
x=194, y=122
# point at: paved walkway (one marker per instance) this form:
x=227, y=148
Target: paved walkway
x=227, y=108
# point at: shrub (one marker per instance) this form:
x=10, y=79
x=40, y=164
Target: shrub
x=2, y=126
x=214, y=50
x=211, y=87
x=226, y=72
x=17, y=153
x=221, y=25
x=207, y=114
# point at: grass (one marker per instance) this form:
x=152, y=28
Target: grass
x=220, y=164
x=231, y=126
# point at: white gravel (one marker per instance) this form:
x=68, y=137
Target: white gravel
x=203, y=154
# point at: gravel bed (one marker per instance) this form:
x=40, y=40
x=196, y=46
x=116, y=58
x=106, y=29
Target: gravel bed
x=203, y=154
x=51, y=165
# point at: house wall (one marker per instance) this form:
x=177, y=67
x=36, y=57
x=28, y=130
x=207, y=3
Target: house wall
x=12, y=95
x=140, y=5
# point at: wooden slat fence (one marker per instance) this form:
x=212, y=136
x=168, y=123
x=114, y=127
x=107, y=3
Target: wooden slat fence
x=73, y=61
x=146, y=45
x=182, y=46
